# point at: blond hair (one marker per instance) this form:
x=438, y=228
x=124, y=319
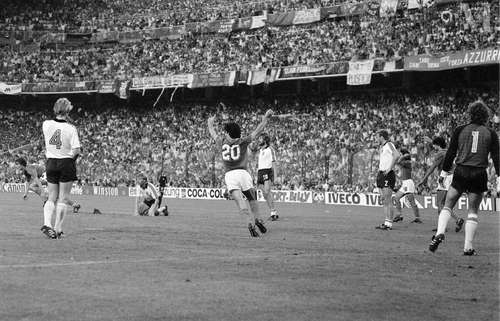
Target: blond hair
x=62, y=106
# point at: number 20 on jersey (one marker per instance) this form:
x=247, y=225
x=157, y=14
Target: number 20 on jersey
x=230, y=153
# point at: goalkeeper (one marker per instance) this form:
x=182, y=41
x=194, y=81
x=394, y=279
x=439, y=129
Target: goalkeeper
x=147, y=202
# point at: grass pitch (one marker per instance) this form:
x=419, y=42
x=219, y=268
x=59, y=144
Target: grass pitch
x=318, y=262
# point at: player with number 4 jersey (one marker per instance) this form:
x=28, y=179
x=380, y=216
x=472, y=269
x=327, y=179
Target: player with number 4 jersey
x=62, y=147
x=234, y=152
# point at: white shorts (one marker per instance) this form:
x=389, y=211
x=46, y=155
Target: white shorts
x=446, y=183
x=407, y=187
x=238, y=179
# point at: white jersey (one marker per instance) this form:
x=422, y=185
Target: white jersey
x=147, y=193
x=386, y=156
x=266, y=158
x=60, y=138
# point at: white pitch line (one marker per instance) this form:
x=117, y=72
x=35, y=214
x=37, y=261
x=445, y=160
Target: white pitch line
x=42, y=265
x=76, y=263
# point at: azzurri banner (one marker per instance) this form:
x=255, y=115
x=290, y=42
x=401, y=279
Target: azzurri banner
x=453, y=60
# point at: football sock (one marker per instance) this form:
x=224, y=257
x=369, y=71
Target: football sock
x=455, y=216
x=254, y=206
x=470, y=230
x=416, y=211
x=48, y=211
x=60, y=212
x=443, y=219
x=247, y=215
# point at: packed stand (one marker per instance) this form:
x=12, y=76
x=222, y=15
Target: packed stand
x=124, y=15
x=327, y=144
x=408, y=33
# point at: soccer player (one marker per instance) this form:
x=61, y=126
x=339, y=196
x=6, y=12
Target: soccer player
x=34, y=174
x=266, y=171
x=147, y=200
x=62, y=147
x=470, y=146
x=407, y=188
x=234, y=152
x=386, y=178
x=439, y=144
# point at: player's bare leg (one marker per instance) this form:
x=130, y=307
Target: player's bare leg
x=268, y=196
x=62, y=206
x=472, y=221
x=452, y=197
x=397, y=200
x=251, y=196
x=49, y=209
x=440, y=199
x=411, y=199
x=386, y=195
x=244, y=210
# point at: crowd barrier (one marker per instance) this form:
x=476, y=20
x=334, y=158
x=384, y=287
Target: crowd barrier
x=489, y=204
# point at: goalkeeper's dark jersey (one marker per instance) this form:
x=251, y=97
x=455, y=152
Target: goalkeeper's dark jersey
x=471, y=144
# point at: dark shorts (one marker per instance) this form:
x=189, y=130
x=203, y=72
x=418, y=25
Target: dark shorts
x=468, y=179
x=386, y=181
x=61, y=170
x=265, y=175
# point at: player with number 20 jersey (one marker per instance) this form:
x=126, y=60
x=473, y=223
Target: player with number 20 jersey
x=238, y=181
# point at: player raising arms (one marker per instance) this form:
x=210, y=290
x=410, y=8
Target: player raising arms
x=62, y=147
x=470, y=146
x=234, y=151
x=386, y=178
x=439, y=144
x=407, y=187
x=266, y=172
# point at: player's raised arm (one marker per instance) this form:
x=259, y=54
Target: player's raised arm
x=258, y=130
x=211, y=127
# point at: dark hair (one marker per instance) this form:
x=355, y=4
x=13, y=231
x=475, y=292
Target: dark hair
x=478, y=112
x=439, y=141
x=384, y=133
x=21, y=161
x=233, y=130
x=266, y=138
x=404, y=151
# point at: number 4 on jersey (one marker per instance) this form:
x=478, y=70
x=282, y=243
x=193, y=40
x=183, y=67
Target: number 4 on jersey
x=56, y=139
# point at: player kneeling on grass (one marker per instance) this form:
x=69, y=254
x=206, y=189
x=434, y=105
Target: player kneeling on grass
x=34, y=175
x=147, y=201
x=238, y=181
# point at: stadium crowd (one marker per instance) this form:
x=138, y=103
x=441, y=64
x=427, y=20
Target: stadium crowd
x=444, y=29
x=107, y=15
x=329, y=144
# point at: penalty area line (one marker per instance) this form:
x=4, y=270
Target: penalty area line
x=75, y=263
x=104, y=262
